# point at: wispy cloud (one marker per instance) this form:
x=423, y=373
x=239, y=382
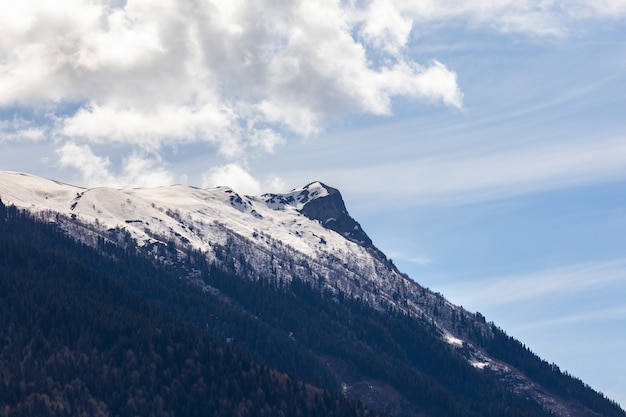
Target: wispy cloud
x=552, y=283
x=418, y=260
x=457, y=175
x=545, y=18
x=605, y=314
x=21, y=130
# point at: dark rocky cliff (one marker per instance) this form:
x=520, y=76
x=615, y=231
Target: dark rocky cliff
x=330, y=210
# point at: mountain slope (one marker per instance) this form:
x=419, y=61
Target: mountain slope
x=307, y=236
x=75, y=342
x=55, y=286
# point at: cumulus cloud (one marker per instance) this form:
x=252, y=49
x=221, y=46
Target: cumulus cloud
x=92, y=167
x=150, y=129
x=234, y=176
x=150, y=73
x=237, y=75
x=386, y=26
x=136, y=171
x=237, y=177
x=20, y=130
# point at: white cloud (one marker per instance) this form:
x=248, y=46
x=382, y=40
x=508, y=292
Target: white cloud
x=142, y=171
x=552, y=283
x=531, y=17
x=386, y=26
x=266, y=139
x=130, y=39
x=94, y=169
x=136, y=171
x=233, y=176
x=20, y=130
x=479, y=172
x=151, y=72
x=150, y=129
x=614, y=313
x=240, y=75
x=38, y=40
x=418, y=260
x=276, y=185
x=613, y=9
x=433, y=83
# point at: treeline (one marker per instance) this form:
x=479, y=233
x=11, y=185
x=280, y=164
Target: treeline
x=512, y=351
x=74, y=342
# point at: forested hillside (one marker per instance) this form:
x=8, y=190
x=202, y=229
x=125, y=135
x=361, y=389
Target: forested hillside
x=74, y=342
x=114, y=330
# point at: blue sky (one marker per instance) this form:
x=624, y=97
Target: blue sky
x=482, y=148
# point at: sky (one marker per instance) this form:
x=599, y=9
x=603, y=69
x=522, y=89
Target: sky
x=482, y=146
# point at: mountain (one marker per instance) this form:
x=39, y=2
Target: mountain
x=77, y=343
x=294, y=280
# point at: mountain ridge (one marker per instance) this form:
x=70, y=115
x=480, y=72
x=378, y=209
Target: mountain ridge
x=273, y=235
x=76, y=341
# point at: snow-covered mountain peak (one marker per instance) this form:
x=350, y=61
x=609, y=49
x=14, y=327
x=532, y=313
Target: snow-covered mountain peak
x=306, y=234
x=312, y=192
x=318, y=201
x=298, y=197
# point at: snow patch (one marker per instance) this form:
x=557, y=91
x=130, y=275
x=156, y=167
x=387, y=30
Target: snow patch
x=451, y=340
x=479, y=365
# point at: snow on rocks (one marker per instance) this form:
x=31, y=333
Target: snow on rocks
x=305, y=233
